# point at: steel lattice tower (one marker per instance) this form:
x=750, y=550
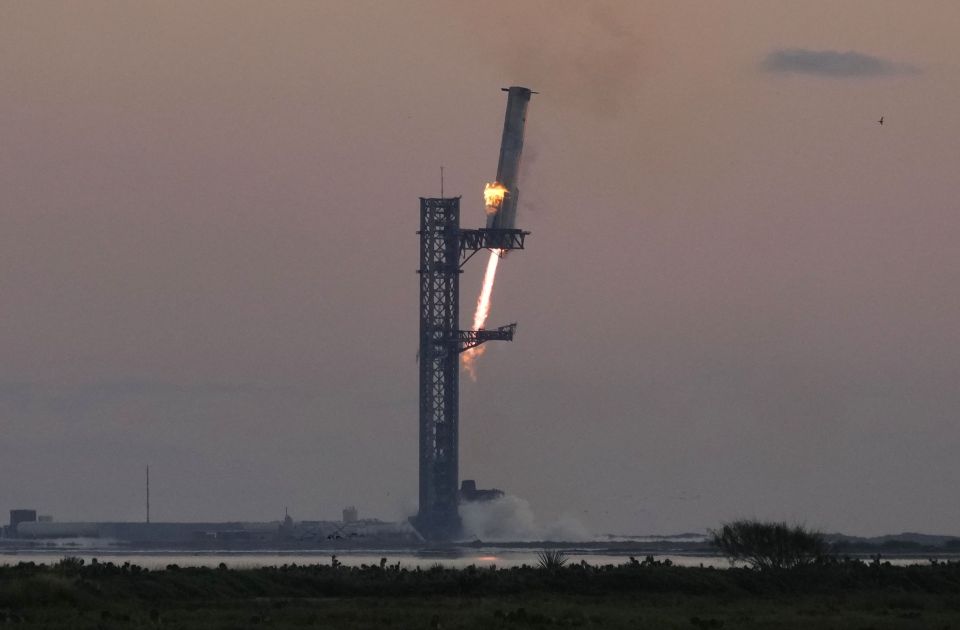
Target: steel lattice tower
x=439, y=366
x=444, y=248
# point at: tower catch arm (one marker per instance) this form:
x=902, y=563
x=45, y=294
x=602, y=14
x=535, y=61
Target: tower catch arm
x=472, y=241
x=472, y=338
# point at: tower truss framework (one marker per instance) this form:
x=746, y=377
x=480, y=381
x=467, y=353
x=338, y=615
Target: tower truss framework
x=444, y=249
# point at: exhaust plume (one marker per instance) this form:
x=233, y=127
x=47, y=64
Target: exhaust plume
x=483, y=310
x=511, y=518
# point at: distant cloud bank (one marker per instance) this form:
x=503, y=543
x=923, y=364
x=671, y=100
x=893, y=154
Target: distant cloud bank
x=831, y=63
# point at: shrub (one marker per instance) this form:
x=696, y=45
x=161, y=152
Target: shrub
x=769, y=545
x=69, y=564
x=551, y=559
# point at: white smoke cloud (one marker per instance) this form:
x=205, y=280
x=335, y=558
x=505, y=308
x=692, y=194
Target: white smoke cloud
x=511, y=518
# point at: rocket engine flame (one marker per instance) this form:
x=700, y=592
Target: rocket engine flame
x=493, y=194
x=470, y=355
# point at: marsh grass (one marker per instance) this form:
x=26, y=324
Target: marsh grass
x=838, y=593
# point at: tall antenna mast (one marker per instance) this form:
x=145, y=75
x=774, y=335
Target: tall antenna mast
x=148, y=493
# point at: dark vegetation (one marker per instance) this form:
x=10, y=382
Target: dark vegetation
x=639, y=593
x=769, y=545
x=551, y=559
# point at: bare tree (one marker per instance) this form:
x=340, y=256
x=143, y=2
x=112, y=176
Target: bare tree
x=769, y=545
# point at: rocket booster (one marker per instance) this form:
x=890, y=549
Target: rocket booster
x=511, y=146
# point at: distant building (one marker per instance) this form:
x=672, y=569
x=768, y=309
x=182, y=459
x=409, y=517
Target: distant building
x=235, y=535
x=350, y=514
x=286, y=526
x=20, y=516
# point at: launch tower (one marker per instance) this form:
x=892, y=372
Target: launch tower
x=444, y=249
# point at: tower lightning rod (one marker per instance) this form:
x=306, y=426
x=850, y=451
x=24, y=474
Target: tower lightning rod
x=148, y=493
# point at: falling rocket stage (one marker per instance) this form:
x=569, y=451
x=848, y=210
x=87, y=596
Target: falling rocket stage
x=444, y=249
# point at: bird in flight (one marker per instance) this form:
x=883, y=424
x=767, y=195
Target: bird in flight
x=881, y=120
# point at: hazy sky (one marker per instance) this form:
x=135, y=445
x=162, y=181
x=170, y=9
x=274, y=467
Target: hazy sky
x=740, y=297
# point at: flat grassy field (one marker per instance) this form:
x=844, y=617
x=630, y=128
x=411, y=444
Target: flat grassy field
x=636, y=595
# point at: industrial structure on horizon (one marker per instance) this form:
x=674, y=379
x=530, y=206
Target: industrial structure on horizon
x=26, y=528
x=444, y=249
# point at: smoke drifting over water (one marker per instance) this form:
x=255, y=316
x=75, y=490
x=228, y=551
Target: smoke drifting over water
x=511, y=518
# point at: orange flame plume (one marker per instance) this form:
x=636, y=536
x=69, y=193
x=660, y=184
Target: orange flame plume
x=483, y=310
